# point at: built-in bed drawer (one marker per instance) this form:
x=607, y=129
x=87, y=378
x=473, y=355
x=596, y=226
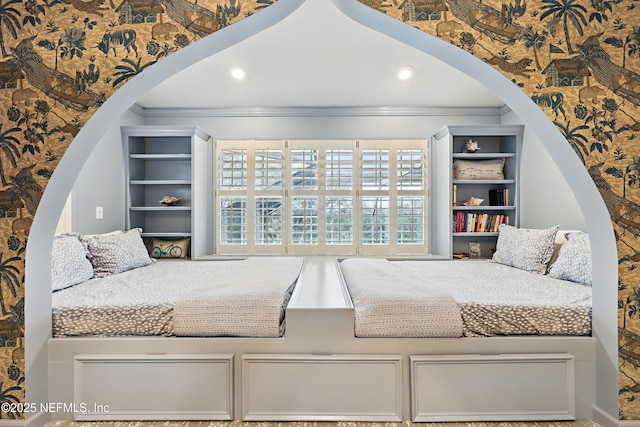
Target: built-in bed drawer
x=153, y=387
x=513, y=387
x=321, y=387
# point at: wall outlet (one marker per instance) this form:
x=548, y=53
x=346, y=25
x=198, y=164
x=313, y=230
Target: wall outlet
x=99, y=212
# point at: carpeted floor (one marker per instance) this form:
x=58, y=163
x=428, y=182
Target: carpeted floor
x=309, y=424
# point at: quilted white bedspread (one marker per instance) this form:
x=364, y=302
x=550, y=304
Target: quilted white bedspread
x=242, y=297
x=496, y=299
x=491, y=299
x=390, y=303
x=249, y=303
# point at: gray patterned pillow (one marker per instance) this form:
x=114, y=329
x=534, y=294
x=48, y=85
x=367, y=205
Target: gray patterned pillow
x=115, y=253
x=574, y=260
x=525, y=248
x=69, y=261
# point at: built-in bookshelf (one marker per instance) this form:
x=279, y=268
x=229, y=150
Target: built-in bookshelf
x=457, y=224
x=167, y=161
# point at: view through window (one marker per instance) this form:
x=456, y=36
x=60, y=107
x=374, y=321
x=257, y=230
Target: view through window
x=321, y=197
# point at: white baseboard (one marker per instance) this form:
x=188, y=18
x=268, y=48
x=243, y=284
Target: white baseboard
x=606, y=420
x=36, y=420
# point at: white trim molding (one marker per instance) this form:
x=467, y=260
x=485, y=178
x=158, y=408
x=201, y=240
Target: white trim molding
x=354, y=111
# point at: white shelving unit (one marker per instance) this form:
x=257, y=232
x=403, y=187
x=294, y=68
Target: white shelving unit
x=164, y=161
x=495, y=142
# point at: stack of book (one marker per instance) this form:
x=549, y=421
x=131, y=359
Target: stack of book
x=478, y=222
x=499, y=197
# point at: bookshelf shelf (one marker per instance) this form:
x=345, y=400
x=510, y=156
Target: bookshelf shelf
x=483, y=181
x=475, y=233
x=483, y=208
x=485, y=156
x=475, y=224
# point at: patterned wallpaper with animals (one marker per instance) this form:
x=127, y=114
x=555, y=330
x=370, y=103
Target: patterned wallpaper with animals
x=579, y=60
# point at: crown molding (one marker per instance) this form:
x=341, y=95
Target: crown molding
x=317, y=111
x=137, y=109
x=505, y=109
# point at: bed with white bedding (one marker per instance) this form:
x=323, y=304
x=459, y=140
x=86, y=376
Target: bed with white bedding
x=462, y=298
x=181, y=298
x=322, y=355
x=538, y=282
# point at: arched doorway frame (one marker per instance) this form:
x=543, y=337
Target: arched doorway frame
x=37, y=293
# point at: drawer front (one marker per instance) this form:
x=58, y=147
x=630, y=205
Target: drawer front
x=514, y=387
x=153, y=387
x=322, y=388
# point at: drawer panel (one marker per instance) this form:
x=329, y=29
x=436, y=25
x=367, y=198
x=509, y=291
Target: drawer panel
x=154, y=387
x=321, y=387
x=513, y=387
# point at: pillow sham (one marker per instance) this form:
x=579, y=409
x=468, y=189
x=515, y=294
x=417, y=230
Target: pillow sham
x=525, y=248
x=115, y=253
x=170, y=248
x=478, y=169
x=70, y=264
x=574, y=260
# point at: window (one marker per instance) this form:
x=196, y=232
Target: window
x=321, y=197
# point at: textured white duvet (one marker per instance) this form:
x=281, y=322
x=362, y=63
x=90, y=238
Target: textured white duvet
x=492, y=299
x=249, y=303
x=234, y=298
x=390, y=303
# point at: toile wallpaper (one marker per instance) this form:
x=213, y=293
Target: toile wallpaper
x=579, y=60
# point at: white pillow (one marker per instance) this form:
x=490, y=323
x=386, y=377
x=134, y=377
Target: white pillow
x=70, y=264
x=525, y=248
x=574, y=260
x=115, y=253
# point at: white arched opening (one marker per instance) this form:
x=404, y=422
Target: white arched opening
x=37, y=292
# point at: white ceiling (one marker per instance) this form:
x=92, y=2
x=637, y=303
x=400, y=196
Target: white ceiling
x=318, y=57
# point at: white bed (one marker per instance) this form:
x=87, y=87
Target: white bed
x=319, y=369
x=462, y=298
x=182, y=298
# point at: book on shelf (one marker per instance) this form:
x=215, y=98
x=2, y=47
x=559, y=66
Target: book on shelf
x=499, y=197
x=478, y=222
x=455, y=195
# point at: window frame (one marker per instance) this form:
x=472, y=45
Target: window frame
x=357, y=193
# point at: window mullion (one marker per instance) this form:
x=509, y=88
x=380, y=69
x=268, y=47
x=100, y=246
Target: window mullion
x=393, y=198
x=251, y=198
x=322, y=197
x=357, y=197
x=287, y=195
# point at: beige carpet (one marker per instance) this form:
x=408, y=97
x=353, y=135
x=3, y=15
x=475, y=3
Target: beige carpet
x=307, y=424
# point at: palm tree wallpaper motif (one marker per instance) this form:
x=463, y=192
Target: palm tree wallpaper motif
x=578, y=60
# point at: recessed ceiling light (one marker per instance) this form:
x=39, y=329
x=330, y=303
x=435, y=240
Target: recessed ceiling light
x=238, y=73
x=405, y=73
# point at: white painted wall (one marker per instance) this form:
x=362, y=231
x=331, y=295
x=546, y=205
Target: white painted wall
x=545, y=197
x=101, y=183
